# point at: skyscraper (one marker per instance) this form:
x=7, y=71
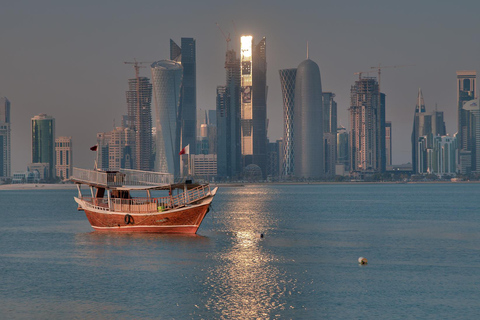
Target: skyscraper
x=330, y=133
x=419, y=110
x=186, y=55
x=64, y=157
x=229, y=155
x=139, y=98
x=254, y=102
x=466, y=91
x=427, y=125
x=388, y=142
x=287, y=82
x=367, y=125
x=167, y=88
x=43, y=142
x=5, y=144
x=343, y=149
x=116, y=149
x=471, y=134
x=308, y=131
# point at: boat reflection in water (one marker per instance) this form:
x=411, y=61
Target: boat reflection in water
x=246, y=284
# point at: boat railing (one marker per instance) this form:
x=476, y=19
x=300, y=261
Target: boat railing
x=96, y=203
x=121, y=177
x=149, y=205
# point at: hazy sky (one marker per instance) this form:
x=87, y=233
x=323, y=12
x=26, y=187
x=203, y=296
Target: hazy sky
x=65, y=58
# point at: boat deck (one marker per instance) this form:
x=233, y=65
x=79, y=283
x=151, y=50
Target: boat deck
x=148, y=204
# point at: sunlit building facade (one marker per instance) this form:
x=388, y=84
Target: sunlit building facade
x=388, y=143
x=254, y=102
x=116, y=149
x=64, y=157
x=367, y=125
x=167, y=89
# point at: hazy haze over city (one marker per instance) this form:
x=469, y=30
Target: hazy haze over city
x=65, y=58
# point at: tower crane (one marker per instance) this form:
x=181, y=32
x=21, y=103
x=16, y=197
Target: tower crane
x=137, y=65
x=380, y=67
x=362, y=72
x=227, y=38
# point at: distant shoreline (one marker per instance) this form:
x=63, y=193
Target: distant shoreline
x=47, y=186
x=38, y=186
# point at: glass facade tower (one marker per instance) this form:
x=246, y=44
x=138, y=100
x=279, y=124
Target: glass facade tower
x=186, y=55
x=167, y=89
x=254, y=102
x=229, y=157
x=466, y=91
x=43, y=142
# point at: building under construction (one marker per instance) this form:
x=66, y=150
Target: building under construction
x=367, y=123
x=139, y=99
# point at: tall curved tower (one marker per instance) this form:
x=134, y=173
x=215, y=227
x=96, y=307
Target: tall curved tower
x=167, y=85
x=309, y=161
x=287, y=81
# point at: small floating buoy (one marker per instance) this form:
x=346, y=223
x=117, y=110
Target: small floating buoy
x=362, y=260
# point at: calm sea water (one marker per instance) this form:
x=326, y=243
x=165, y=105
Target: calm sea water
x=422, y=242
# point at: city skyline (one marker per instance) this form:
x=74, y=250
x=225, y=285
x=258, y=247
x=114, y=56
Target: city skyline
x=98, y=47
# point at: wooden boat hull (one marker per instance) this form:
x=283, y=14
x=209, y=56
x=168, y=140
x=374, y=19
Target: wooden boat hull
x=184, y=220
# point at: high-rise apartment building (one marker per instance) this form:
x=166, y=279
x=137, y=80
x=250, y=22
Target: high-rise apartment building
x=186, y=56
x=367, y=125
x=64, y=157
x=440, y=157
x=229, y=152
x=167, y=85
x=425, y=124
x=343, y=149
x=416, y=133
x=388, y=143
x=287, y=82
x=466, y=91
x=116, y=149
x=470, y=154
x=139, y=119
x=330, y=133
x=254, y=102
x=43, y=142
x=5, y=139
x=309, y=161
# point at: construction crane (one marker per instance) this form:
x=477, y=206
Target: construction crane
x=362, y=72
x=380, y=67
x=137, y=65
x=227, y=38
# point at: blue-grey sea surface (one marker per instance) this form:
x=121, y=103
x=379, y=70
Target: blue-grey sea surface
x=422, y=242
